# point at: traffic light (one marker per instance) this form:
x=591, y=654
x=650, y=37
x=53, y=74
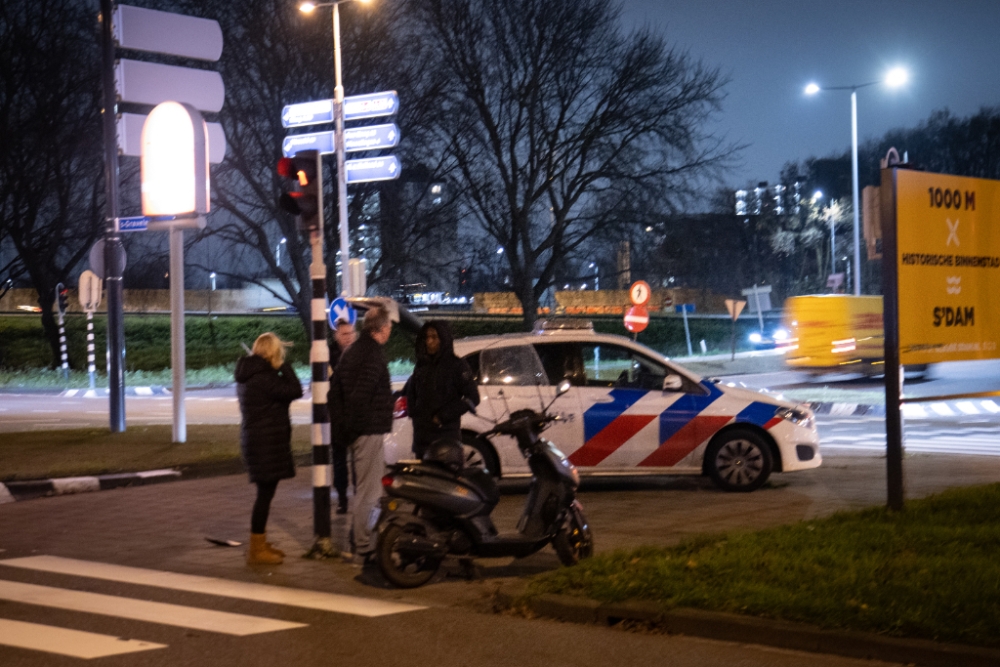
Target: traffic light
x=306, y=200
x=62, y=296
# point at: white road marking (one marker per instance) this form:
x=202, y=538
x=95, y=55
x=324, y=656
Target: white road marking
x=292, y=597
x=942, y=409
x=990, y=406
x=967, y=407
x=163, y=613
x=72, y=643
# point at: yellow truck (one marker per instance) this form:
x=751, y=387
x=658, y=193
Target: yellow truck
x=835, y=333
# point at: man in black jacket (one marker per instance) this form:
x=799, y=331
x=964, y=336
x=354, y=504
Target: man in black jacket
x=364, y=405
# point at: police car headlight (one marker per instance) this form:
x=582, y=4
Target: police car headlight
x=797, y=416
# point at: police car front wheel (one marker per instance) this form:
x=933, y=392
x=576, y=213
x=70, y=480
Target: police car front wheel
x=738, y=460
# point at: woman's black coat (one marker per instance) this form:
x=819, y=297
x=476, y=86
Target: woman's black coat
x=266, y=429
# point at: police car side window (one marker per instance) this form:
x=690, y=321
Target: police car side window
x=562, y=361
x=473, y=361
x=608, y=366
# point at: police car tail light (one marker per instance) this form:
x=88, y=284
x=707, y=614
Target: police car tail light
x=399, y=408
x=803, y=418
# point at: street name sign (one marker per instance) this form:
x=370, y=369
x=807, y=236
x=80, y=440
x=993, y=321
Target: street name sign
x=372, y=169
x=948, y=259
x=357, y=107
x=152, y=83
x=307, y=113
x=371, y=138
x=137, y=223
x=164, y=32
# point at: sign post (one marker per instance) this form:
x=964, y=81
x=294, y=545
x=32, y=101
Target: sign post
x=735, y=307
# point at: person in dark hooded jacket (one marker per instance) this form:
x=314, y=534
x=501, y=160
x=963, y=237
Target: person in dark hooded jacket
x=266, y=386
x=438, y=392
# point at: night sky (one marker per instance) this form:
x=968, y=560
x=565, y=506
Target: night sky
x=770, y=49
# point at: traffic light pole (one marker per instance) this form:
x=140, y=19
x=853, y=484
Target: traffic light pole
x=114, y=253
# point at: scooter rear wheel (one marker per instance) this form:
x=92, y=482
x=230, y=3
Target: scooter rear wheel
x=574, y=541
x=400, y=569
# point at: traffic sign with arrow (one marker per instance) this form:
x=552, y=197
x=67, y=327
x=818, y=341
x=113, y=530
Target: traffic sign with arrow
x=343, y=311
x=372, y=169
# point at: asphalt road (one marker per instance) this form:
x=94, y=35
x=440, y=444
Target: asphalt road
x=161, y=531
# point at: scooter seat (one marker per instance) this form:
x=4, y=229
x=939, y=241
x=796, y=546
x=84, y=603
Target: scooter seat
x=482, y=481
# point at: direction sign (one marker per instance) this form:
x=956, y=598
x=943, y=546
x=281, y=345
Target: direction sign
x=371, y=138
x=164, y=32
x=153, y=83
x=636, y=319
x=639, y=293
x=315, y=141
x=372, y=169
x=89, y=291
x=357, y=107
x=307, y=113
x=343, y=311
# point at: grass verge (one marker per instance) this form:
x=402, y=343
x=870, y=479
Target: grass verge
x=66, y=453
x=930, y=572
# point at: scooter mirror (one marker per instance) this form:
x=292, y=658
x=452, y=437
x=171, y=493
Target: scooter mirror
x=563, y=387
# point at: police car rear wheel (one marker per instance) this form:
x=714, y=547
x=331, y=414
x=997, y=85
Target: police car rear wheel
x=479, y=454
x=739, y=460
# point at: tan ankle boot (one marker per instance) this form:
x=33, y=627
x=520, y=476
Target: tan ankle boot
x=273, y=549
x=258, y=553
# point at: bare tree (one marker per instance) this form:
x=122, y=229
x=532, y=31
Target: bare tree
x=558, y=121
x=51, y=179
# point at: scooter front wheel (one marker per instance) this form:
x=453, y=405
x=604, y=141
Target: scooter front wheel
x=401, y=567
x=574, y=541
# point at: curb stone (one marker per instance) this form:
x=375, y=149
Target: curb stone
x=39, y=488
x=752, y=630
x=848, y=409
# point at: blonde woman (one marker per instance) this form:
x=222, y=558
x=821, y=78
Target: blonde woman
x=266, y=386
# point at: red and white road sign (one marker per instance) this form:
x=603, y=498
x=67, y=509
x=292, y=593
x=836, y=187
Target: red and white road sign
x=639, y=293
x=636, y=319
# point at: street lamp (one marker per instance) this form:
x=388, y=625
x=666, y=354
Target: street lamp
x=338, y=113
x=894, y=78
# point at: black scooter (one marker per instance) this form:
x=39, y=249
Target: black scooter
x=435, y=509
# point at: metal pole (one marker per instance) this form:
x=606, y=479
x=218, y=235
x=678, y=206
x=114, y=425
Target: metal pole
x=893, y=370
x=338, y=110
x=113, y=250
x=90, y=348
x=833, y=248
x=854, y=193
x=177, y=360
x=687, y=331
x=319, y=360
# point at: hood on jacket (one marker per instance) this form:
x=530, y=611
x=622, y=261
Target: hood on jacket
x=444, y=333
x=251, y=365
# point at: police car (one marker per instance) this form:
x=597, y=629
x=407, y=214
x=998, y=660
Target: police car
x=630, y=411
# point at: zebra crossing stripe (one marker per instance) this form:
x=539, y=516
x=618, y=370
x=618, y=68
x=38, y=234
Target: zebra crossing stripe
x=292, y=597
x=163, y=613
x=71, y=643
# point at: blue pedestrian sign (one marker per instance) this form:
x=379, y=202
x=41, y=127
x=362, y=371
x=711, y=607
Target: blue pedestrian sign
x=371, y=138
x=357, y=107
x=316, y=141
x=343, y=311
x=137, y=223
x=307, y=113
x=372, y=169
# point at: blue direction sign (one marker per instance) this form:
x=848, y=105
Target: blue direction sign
x=343, y=311
x=371, y=138
x=137, y=223
x=317, y=141
x=372, y=169
x=357, y=107
x=307, y=113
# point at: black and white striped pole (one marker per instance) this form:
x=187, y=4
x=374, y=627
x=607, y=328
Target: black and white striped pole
x=306, y=202
x=62, y=298
x=90, y=297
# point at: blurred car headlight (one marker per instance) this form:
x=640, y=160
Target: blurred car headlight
x=780, y=335
x=801, y=417
x=755, y=337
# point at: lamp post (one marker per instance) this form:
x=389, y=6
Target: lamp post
x=894, y=78
x=338, y=114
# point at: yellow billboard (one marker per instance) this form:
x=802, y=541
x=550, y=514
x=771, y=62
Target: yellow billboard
x=948, y=259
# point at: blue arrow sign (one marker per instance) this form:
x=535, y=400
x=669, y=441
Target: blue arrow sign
x=343, y=311
x=136, y=223
x=371, y=138
x=317, y=141
x=357, y=107
x=307, y=113
x=372, y=169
